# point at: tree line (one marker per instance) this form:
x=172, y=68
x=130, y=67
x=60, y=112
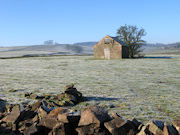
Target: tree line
x=74, y=48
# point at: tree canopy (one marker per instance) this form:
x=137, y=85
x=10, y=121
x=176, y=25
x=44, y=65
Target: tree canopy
x=132, y=36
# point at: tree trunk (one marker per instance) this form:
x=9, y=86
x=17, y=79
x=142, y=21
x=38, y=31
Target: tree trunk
x=131, y=53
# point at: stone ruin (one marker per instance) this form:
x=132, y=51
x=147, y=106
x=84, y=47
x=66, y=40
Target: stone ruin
x=48, y=117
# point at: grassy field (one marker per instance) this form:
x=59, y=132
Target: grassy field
x=146, y=88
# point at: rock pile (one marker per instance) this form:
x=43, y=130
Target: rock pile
x=41, y=119
x=70, y=97
x=45, y=118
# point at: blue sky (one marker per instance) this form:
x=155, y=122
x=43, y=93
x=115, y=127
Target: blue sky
x=30, y=22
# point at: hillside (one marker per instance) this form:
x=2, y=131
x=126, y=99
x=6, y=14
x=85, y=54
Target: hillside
x=160, y=48
x=45, y=50
x=86, y=43
x=81, y=48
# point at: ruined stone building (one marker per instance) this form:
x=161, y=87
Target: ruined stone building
x=111, y=48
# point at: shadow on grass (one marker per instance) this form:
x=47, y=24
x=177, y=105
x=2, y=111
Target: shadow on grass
x=100, y=99
x=157, y=57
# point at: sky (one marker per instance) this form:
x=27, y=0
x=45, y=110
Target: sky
x=31, y=22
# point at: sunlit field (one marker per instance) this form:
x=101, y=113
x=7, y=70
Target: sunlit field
x=146, y=88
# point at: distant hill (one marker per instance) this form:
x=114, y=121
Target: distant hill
x=45, y=50
x=86, y=43
x=81, y=48
x=149, y=45
x=174, y=45
x=161, y=46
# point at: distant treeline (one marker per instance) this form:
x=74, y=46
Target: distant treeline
x=86, y=43
x=48, y=42
x=172, y=45
x=74, y=48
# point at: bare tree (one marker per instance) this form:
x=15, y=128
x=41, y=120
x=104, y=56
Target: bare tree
x=131, y=35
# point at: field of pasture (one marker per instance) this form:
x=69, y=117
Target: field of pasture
x=146, y=88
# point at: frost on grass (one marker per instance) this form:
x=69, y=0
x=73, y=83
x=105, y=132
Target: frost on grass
x=144, y=88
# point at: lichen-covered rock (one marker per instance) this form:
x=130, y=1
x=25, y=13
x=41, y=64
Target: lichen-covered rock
x=35, y=119
x=27, y=114
x=169, y=130
x=176, y=124
x=13, y=117
x=143, y=130
x=56, y=111
x=70, y=97
x=61, y=129
x=69, y=86
x=115, y=115
x=158, y=127
x=66, y=98
x=41, y=112
x=114, y=126
x=63, y=117
x=91, y=130
x=69, y=117
x=77, y=96
x=34, y=106
x=33, y=129
x=26, y=94
x=135, y=122
x=47, y=96
x=48, y=122
x=119, y=126
x=94, y=114
x=33, y=96
x=9, y=107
